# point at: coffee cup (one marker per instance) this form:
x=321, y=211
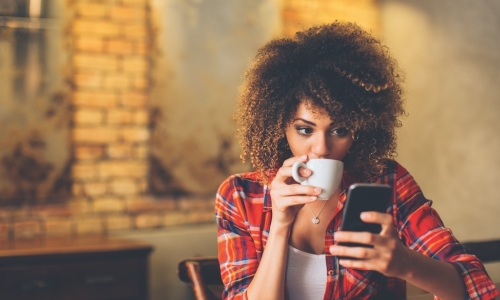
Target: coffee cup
x=326, y=174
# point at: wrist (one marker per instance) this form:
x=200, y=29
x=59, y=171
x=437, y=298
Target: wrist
x=408, y=268
x=278, y=229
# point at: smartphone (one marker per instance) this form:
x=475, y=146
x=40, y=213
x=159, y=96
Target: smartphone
x=364, y=197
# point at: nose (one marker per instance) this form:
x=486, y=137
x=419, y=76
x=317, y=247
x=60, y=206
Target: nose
x=321, y=147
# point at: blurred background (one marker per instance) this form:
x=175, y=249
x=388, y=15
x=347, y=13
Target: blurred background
x=115, y=116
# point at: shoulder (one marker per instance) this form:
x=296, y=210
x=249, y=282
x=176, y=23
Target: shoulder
x=400, y=178
x=395, y=170
x=245, y=186
x=241, y=196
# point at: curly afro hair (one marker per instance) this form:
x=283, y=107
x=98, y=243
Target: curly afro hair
x=338, y=67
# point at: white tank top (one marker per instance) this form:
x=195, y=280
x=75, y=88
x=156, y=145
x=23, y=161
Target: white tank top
x=305, y=275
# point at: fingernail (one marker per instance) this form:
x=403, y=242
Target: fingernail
x=303, y=157
x=364, y=215
x=314, y=197
x=317, y=190
x=338, y=234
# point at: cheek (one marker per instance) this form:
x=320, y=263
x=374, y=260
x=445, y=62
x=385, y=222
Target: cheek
x=342, y=149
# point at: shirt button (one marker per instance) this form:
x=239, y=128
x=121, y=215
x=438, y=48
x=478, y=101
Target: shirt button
x=330, y=272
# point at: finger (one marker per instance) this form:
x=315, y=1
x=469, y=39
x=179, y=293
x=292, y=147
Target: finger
x=294, y=201
x=384, y=219
x=289, y=162
x=376, y=217
x=297, y=189
x=356, y=264
x=356, y=252
x=366, y=238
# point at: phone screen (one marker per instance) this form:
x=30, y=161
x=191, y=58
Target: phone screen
x=364, y=197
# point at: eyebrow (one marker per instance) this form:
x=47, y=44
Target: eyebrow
x=309, y=122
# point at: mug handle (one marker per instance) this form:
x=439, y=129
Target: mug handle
x=295, y=171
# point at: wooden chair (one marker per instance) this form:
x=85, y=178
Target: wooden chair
x=203, y=274
x=487, y=251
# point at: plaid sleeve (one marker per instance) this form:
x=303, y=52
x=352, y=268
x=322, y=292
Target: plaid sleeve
x=236, y=250
x=422, y=230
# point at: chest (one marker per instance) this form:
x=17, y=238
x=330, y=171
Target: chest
x=311, y=229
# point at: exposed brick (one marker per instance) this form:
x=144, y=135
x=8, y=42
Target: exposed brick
x=27, y=229
x=135, y=134
x=117, y=81
x=127, y=13
x=142, y=48
x=92, y=9
x=119, y=116
x=84, y=171
x=86, y=79
x=143, y=185
x=4, y=231
x=124, y=186
x=140, y=82
x=87, y=152
x=58, y=227
x=133, y=99
x=96, y=135
x=95, y=189
x=135, y=64
x=120, y=151
x=139, y=3
x=148, y=220
x=118, y=46
x=118, y=222
x=108, y=204
x=141, y=117
x=50, y=211
x=141, y=151
x=77, y=189
x=103, y=62
x=89, y=44
x=79, y=205
x=88, y=116
x=16, y=212
x=122, y=168
x=97, y=99
x=87, y=27
x=144, y=203
x=133, y=31
x=4, y=213
x=89, y=225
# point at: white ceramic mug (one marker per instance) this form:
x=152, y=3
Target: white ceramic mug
x=326, y=174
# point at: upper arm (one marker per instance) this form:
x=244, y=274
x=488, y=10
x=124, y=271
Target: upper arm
x=236, y=248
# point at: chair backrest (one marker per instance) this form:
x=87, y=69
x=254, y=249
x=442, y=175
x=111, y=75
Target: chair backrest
x=486, y=251
x=203, y=273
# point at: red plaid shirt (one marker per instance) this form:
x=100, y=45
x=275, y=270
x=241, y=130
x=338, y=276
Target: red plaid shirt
x=243, y=215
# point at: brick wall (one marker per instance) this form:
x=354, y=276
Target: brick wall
x=300, y=14
x=109, y=44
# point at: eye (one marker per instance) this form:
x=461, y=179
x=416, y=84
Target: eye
x=304, y=130
x=342, y=131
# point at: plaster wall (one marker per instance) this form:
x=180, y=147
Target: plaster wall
x=449, y=140
x=204, y=48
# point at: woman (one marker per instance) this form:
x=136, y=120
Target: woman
x=330, y=92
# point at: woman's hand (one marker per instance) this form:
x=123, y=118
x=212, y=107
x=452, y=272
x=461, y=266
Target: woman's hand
x=288, y=196
x=388, y=255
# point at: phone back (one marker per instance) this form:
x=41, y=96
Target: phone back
x=364, y=197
